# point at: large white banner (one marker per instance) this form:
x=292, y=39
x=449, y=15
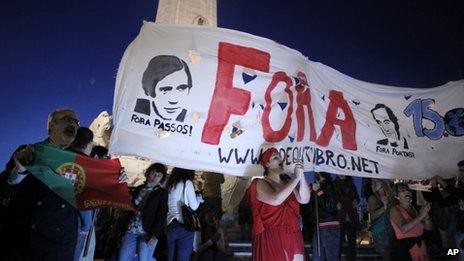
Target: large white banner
x=212, y=99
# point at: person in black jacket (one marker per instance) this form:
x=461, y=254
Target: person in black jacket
x=328, y=244
x=36, y=223
x=85, y=247
x=451, y=194
x=149, y=220
x=348, y=200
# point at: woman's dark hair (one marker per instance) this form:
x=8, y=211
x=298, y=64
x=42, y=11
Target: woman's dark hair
x=266, y=171
x=83, y=137
x=99, y=151
x=158, y=167
x=347, y=179
x=326, y=176
x=158, y=68
x=179, y=175
x=395, y=190
x=386, y=189
x=366, y=188
x=399, y=186
x=461, y=163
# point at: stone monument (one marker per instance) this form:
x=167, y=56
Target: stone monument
x=198, y=12
x=194, y=12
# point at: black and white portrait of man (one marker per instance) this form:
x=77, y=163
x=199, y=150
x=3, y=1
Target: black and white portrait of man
x=388, y=123
x=167, y=81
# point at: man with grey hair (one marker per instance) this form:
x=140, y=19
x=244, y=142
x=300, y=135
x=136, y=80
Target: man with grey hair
x=36, y=223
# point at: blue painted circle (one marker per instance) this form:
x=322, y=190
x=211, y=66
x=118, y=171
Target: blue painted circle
x=454, y=122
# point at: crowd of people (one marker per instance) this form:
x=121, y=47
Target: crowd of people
x=404, y=224
x=279, y=212
x=37, y=224
x=417, y=224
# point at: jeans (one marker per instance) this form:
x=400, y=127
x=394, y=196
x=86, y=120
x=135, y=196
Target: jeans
x=80, y=245
x=91, y=248
x=180, y=241
x=330, y=244
x=459, y=238
x=85, y=223
x=349, y=229
x=132, y=241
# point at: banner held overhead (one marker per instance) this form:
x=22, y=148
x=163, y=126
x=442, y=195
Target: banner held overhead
x=212, y=99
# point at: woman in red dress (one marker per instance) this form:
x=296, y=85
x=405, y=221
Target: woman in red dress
x=275, y=200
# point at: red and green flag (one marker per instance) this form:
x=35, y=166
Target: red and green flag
x=85, y=182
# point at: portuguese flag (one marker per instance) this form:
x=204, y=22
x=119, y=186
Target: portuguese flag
x=85, y=182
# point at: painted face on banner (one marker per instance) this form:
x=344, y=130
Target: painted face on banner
x=385, y=123
x=171, y=94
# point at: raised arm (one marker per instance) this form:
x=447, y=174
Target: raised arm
x=24, y=155
x=404, y=225
x=268, y=195
x=302, y=193
x=436, y=195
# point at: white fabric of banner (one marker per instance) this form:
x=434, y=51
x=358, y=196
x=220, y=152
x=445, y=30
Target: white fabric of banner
x=213, y=99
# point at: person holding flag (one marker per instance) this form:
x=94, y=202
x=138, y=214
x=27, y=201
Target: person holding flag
x=36, y=223
x=42, y=187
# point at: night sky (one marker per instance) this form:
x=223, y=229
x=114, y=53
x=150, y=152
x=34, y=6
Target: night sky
x=66, y=53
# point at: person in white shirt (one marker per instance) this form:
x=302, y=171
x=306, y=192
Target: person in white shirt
x=181, y=191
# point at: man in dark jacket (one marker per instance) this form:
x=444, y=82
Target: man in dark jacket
x=35, y=223
x=327, y=215
x=451, y=194
x=348, y=206
x=85, y=247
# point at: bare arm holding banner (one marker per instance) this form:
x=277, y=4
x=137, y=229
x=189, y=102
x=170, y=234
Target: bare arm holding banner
x=302, y=193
